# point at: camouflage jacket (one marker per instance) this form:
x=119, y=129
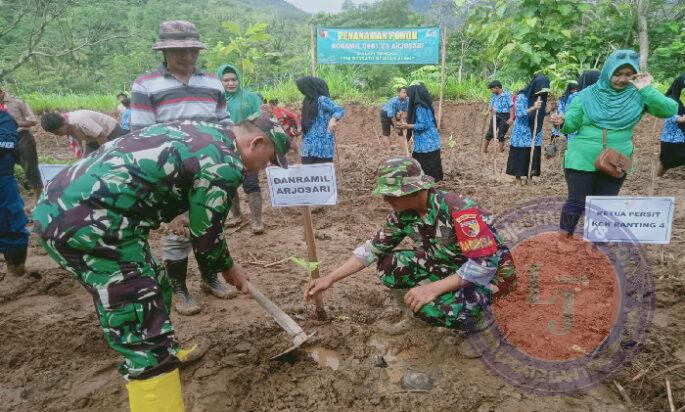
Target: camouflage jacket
x=455, y=232
x=131, y=185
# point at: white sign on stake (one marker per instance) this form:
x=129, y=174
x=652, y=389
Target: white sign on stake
x=302, y=185
x=628, y=219
x=48, y=172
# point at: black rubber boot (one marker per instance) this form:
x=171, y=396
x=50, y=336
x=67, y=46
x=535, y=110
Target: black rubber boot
x=255, y=202
x=16, y=260
x=183, y=302
x=212, y=284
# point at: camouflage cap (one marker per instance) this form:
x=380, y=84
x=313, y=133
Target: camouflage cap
x=273, y=130
x=401, y=176
x=178, y=34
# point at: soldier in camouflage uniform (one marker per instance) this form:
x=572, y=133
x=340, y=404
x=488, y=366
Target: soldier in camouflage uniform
x=458, y=262
x=94, y=219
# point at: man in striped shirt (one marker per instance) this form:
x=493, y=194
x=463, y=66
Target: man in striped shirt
x=177, y=90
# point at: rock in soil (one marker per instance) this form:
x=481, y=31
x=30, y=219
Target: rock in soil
x=417, y=381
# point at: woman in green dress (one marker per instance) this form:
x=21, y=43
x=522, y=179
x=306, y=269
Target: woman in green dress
x=616, y=103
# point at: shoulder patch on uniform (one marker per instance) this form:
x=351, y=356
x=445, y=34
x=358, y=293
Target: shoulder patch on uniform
x=474, y=236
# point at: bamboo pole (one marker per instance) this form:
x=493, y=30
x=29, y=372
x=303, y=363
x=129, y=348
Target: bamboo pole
x=312, y=48
x=532, y=145
x=443, y=29
x=405, y=146
x=494, y=125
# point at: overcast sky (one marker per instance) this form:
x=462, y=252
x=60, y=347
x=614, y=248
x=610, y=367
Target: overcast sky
x=314, y=6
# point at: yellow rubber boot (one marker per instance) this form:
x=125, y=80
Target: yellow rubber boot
x=184, y=354
x=161, y=393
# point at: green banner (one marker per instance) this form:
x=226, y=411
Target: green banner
x=378, y=46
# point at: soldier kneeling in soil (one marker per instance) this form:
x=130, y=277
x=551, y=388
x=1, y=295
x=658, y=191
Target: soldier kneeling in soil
x=458, y=262
x=94, y=219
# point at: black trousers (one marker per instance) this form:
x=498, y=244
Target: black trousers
x=386, y=124
x=310, y=160
x=502, y=127
x=581, y=184
x=28, y=158
x=672, y=155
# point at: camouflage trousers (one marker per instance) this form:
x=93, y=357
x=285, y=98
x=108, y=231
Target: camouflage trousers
x=132, y=299
x=461, y=309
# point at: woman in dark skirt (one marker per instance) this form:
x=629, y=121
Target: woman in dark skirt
x=422, y=127
x=527, y=104
x=673, y=135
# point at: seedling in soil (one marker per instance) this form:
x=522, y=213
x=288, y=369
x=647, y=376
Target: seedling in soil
x=304, y=264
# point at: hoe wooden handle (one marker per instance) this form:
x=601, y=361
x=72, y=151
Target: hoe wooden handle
x=282, y=318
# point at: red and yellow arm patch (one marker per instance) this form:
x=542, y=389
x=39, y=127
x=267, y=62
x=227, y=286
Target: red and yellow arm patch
x=474, y=236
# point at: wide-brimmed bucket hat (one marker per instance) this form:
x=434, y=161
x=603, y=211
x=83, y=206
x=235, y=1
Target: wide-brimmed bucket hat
x=178, y=34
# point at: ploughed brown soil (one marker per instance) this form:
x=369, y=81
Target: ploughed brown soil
x=54, y=356
x=525, y=316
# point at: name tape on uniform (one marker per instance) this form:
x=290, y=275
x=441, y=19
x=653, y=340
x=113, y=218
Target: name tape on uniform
x=628, y=219
x=48, y=172
x=302, y=185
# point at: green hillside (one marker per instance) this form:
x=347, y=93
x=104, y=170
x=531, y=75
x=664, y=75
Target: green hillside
x=112, y=65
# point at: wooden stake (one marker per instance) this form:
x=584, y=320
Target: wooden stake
x=669, y=393
x=624, y=394
x=532, y=145
x=312, y=48
x=652, y=185
x=405, y=146
x=311, y=257
x=404, y=143
x=494, y=125
x=443, y=29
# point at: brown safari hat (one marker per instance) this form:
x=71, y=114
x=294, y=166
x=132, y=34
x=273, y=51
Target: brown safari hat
x=178, y=34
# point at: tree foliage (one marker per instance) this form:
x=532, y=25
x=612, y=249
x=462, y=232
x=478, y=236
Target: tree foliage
x=244, y=49
x=100, y=46
x=563, y=37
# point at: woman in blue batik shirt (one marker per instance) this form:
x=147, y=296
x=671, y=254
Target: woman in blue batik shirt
x=673, y=135
x=422, y=127
x=521, y=135
x=320, y=115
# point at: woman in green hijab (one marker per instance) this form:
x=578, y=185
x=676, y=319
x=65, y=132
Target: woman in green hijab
x=242, y=104
x=616, y=104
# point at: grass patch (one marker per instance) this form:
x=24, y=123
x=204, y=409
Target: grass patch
x=345, y=86
x=41, y=102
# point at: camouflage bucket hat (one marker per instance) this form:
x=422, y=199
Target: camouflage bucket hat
x=178, y=34
x=273, y=130
x=401, y=176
